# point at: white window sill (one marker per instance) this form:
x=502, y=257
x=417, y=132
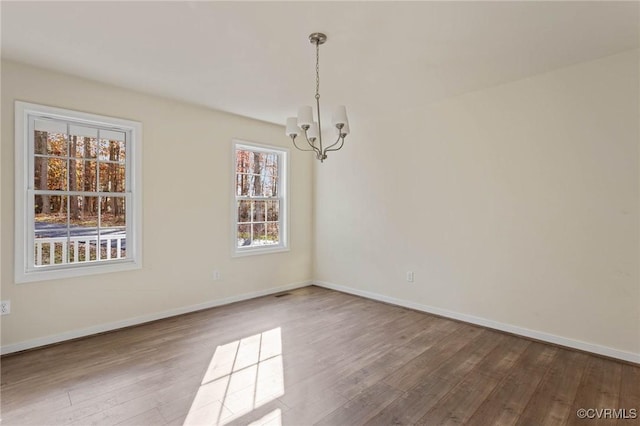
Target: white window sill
x=258, y=251
x=47, y=274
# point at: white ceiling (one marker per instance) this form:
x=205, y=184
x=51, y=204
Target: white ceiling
x=254, y=58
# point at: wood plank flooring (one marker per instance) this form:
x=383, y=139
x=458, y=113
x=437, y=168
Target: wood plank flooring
x=314, y=356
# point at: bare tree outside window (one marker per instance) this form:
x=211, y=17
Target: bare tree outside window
x=258, y=197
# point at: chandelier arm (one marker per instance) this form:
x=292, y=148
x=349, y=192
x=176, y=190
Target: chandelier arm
x=341, y=140
x=315, y=148
x=334, y=144
x=296, y=145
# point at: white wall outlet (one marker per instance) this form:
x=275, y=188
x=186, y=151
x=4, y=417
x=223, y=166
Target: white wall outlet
x=217, y=276
x=5, y=307
x=410, y=276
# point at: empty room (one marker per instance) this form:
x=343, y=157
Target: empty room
x=320, y=213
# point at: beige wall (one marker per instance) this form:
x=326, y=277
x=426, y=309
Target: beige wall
x=514, y=205
x=517, y=204
x=186, y=219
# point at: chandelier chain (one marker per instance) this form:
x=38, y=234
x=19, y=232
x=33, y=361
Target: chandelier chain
x=317, y=70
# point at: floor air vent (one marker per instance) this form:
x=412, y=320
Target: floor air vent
x=282, y=294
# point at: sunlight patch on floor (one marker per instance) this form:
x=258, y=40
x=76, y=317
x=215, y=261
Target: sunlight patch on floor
x=242, y=376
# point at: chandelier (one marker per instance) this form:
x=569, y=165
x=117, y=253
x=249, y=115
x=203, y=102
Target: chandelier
x=313, y=129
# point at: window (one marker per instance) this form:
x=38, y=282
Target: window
x=260, y=207
x=78, y=208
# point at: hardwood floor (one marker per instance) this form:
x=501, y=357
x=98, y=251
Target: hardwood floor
x=314, y=356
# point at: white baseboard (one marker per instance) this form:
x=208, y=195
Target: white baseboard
x=538, y=335
x=74, y=334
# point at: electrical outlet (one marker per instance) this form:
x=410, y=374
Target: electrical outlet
x=217, y=276
x=410, y=276
x=5, y=307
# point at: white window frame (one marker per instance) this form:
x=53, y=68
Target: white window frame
x=283, y=190
x=25, y=270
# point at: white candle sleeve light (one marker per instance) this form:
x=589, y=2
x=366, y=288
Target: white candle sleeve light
x=340, y=116
x=292, y=127
x=305, y=116
x=313, y=131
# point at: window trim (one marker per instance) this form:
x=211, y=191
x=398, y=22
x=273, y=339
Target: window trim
x=24, y=209
x=284, y=189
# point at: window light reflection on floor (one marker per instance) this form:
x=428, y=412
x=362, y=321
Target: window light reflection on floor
x=242, y=376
